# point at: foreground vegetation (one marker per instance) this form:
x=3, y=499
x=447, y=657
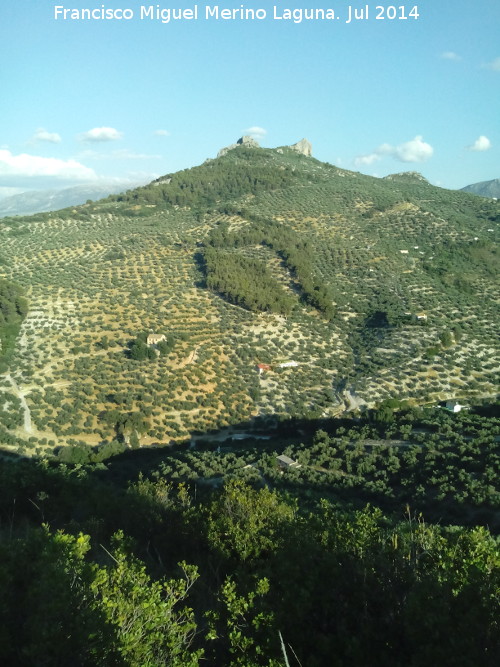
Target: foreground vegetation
x=100, y=570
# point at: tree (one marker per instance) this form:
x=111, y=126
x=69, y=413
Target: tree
x=42, y=578
x=151, y=628
x=130, y=424
x=446, y=339
x=139, y=350
x=245, y=524
x=242, y=627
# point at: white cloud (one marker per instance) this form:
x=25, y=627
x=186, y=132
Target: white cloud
x=415, y=150
x=161, y=133
x=98, y=134
x=451, y=55
x=256, y=132
x=42, y=135
x=494, y=65
x=482, y=143
x=17, y=169
x=367, y=159
x=385, y=149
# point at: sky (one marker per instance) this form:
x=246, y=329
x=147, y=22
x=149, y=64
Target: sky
x=129, y=100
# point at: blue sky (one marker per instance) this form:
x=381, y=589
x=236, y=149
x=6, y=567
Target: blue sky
x=83, y=101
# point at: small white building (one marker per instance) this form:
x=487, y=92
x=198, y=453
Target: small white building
x=285, y=462
x=454, y=406
x=152, y=338
x=287, y=364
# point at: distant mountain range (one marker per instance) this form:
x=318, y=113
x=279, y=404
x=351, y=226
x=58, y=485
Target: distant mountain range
x=485, y=188
x=41, y=201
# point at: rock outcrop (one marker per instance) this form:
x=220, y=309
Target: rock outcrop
x=246, y=141
x=406, y=176
x=304, y=147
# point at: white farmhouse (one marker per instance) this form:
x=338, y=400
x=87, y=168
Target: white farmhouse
x=454, y=406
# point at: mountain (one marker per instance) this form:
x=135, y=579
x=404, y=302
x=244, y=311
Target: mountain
x=37, y=201
x=346, y=289
x=485, y=188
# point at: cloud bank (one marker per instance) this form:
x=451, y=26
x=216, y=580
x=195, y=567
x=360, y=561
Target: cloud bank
x=17, y=170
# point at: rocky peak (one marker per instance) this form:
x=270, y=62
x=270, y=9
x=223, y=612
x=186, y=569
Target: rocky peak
x=246, y=141
x=407, y=176
x=304, y=147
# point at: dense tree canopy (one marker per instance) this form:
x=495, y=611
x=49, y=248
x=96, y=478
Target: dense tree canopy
x=95, y=572
x=238, y=272
x=13, y=309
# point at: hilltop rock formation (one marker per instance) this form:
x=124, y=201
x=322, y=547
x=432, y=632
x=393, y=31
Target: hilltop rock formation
x=407, y=176
x=304, y=147
x=246, y=141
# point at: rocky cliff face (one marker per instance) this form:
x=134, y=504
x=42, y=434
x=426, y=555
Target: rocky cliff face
x=304, y=147
x=246, y=141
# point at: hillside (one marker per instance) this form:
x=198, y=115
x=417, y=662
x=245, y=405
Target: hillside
x=485, y=188
x=351, y=289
